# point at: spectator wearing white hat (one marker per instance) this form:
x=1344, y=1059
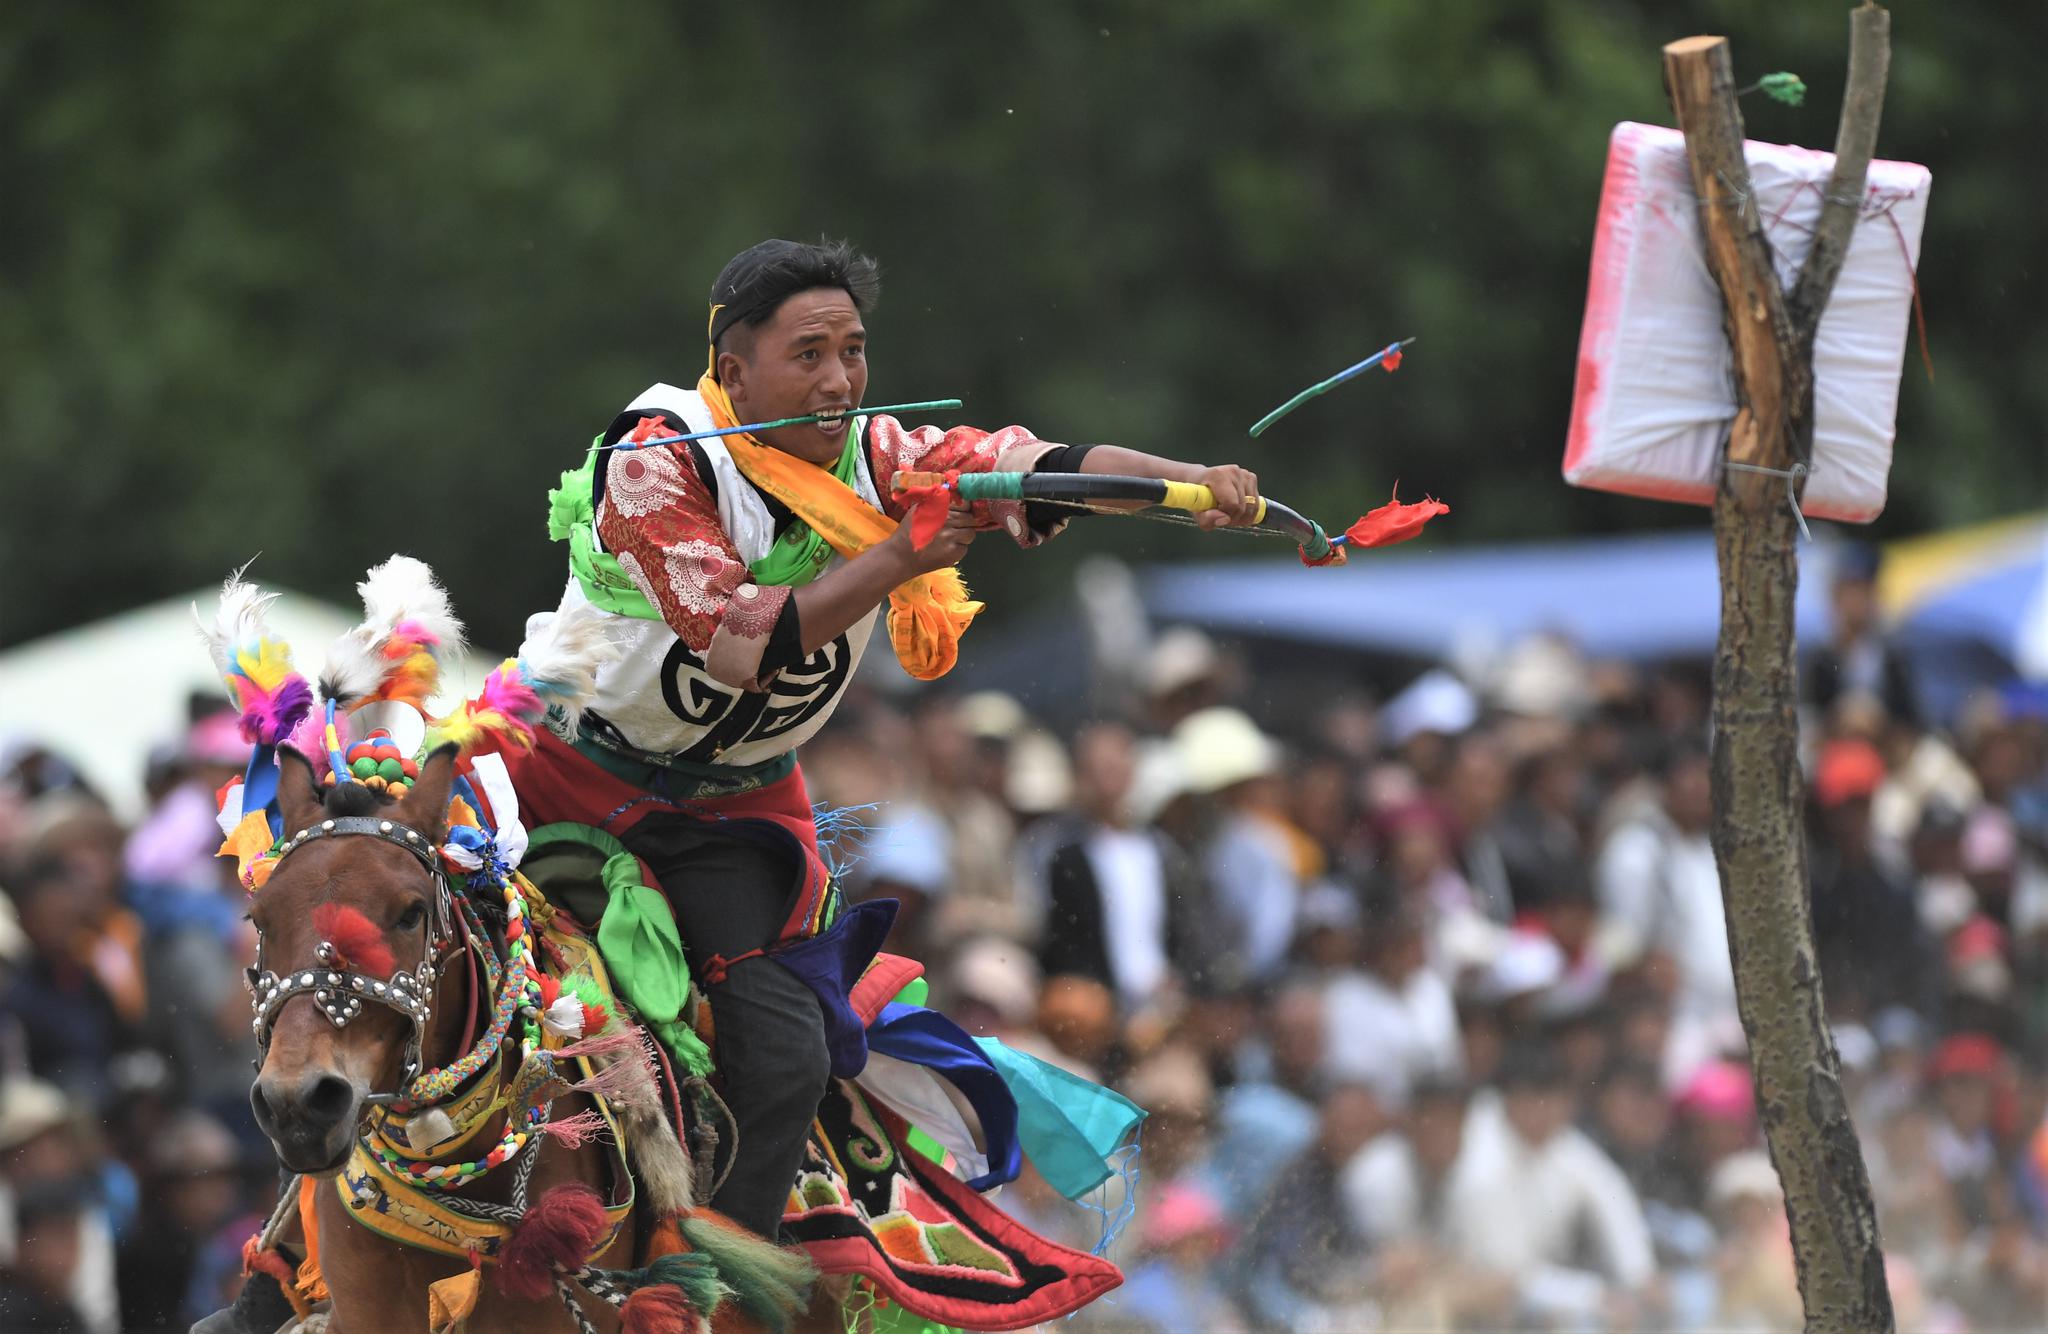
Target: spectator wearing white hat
x=56, y=1240
x=1184, y=674
x=965, y=746
x=908, y=858
x=1759, y=1287
x=1251, y=860
x=1422, y=722
x=991, y=989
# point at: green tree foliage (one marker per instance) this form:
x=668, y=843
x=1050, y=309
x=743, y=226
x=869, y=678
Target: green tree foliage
x=324, y=282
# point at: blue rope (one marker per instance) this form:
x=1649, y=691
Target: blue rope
x=842, y=835
x=1124, y=1165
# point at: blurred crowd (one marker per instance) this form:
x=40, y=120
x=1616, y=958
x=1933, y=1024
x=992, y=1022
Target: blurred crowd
x=1428, y=997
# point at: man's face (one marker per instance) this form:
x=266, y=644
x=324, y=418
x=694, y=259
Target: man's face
x=1352, y=1116
x=1634, y=1114
x=1297, y=1036
x=1437, y=1130
x=810, y=357
x=1105, y=764
x=1689, y=794
x=1537, y=1113
x=1855, y=607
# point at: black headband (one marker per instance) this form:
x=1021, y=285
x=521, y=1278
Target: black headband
x=760, y=278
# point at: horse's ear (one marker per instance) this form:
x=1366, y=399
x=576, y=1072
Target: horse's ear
x=425, y=807
x=298, y=793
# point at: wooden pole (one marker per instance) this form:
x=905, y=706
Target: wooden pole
x=1759, y=790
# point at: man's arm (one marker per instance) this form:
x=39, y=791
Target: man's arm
x=894, y=447
x=839, y=598
x=1237, y=489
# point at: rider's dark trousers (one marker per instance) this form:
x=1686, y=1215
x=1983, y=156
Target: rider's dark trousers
x=732, y=893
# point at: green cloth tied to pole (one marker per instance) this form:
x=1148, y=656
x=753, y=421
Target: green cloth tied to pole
x=637, y=938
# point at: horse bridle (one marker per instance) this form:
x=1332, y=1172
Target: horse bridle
x=337, y=989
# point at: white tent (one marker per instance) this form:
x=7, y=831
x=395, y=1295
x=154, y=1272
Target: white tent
x=102, y=695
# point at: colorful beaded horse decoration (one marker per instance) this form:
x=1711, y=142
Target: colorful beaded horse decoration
x=537, y=1145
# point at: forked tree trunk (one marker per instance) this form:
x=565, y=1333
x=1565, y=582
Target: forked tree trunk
x=1759, y=791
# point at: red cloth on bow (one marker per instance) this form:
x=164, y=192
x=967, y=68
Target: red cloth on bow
x=1394, y=522
x=928, y=506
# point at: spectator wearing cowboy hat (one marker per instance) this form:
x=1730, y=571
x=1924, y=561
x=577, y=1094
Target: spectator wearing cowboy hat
x=1253, y=858
x=56, y=1237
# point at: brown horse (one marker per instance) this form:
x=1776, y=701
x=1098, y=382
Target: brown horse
x=312, y=1092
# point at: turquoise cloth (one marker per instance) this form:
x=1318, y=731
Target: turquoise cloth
x=1068, y=1126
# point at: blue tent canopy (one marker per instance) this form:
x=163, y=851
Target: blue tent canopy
x=2004, y=607
x=1643, y=596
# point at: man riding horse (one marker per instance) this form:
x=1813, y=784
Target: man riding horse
x=745, y=574
x=732, y=582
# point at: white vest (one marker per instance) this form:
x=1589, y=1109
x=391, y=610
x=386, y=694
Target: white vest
x=657, y=698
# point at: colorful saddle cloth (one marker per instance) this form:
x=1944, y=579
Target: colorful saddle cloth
x=890, y=1188
x=866, y=1204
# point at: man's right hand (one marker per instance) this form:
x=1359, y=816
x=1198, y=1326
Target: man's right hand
x=835, y=600
x=943, y=550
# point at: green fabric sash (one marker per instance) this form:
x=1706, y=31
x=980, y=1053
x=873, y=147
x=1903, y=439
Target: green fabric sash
x=798, y=556
x=572, y=519
x=637, y=938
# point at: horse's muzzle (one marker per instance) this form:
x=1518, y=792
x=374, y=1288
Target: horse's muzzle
x=311, y=1122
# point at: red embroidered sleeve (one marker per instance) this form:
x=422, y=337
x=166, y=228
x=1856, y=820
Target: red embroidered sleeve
x=660, y=522
x=893, y=449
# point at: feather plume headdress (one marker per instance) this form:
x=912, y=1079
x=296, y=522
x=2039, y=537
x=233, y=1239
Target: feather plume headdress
x=393, y=658
x=255, y=666
x=408, y=632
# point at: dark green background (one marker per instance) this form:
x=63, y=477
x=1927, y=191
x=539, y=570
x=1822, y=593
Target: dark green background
x=326, y=281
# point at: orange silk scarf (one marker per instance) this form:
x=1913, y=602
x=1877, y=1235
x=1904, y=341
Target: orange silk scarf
x=927, y=615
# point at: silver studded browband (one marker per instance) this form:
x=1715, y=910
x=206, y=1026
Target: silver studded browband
x=337, y=990
x=412, y=840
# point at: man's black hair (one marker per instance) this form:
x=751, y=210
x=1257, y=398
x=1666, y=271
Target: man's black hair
x=1677, y=752
x=1530, y=1065
x=754, y=283
x=1439, y=1087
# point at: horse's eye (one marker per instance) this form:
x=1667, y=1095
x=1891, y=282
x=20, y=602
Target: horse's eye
x=412, y=917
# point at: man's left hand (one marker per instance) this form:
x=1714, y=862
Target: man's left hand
x=1237, y=497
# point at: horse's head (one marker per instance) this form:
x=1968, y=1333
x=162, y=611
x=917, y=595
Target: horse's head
x=350, y=926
